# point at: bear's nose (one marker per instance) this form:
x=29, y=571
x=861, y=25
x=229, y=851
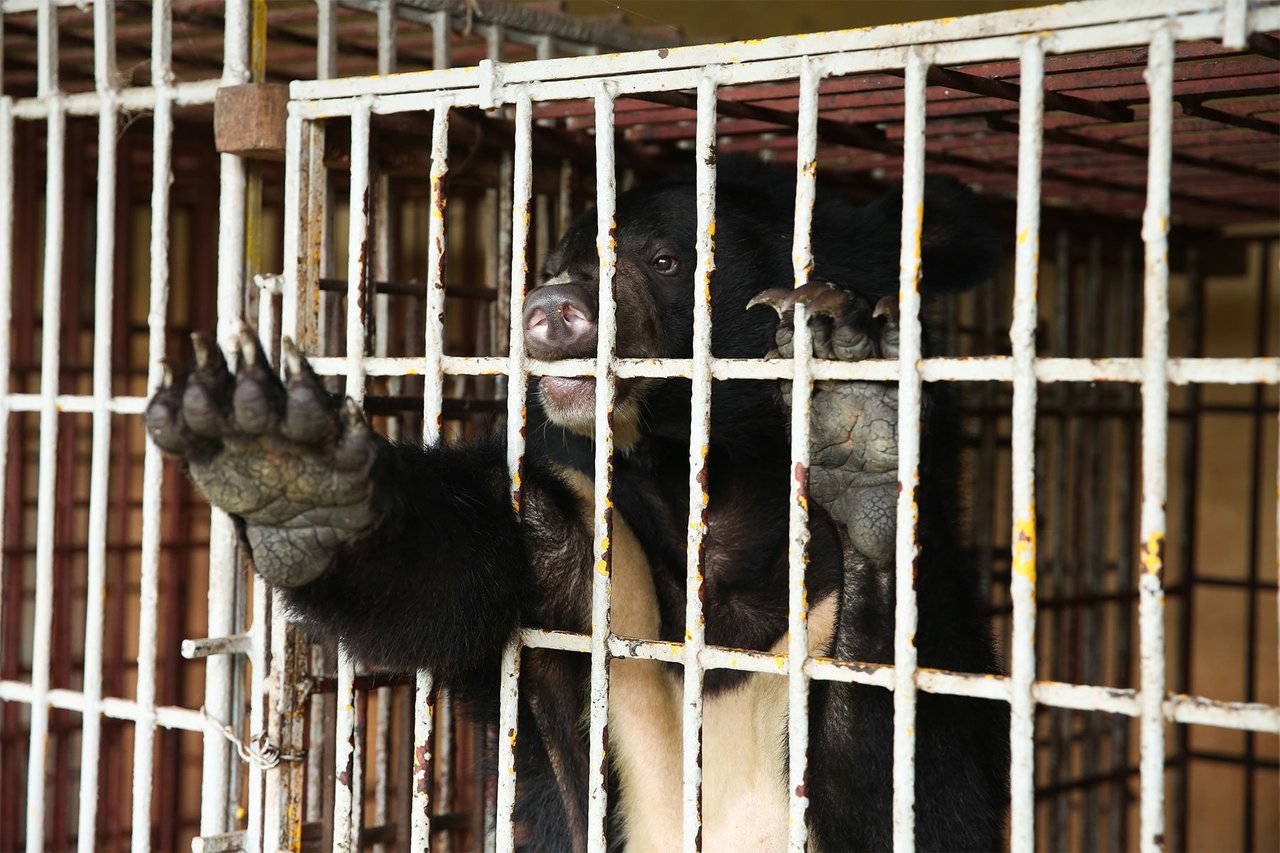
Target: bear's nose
x=558, y=323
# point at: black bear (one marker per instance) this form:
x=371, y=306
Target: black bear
x=414, y=557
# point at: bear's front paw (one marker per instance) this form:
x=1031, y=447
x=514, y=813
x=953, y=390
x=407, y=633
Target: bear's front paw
x=286, y=457
x=853, y=440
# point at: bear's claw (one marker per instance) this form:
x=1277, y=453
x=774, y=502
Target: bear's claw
x=286, y=457
x=854, y=425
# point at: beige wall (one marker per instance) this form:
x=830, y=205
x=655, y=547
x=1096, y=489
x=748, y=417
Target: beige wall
x=724, y=20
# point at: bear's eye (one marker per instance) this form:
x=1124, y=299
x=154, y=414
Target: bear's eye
x=665, y=264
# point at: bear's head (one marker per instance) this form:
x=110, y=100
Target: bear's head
x=655, y=232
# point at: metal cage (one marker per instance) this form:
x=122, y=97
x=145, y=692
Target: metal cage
x=1088, y=682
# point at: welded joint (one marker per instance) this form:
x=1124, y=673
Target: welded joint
x=272, y=283
x=491, y=80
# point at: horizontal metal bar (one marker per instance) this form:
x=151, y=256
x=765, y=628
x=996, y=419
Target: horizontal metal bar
x=226, y=842
x=1178, y=708
x=236, y=644
x=77, y=404
x=167, y=716
x=136, y=99
x=1084, y=15
x=1180, y=371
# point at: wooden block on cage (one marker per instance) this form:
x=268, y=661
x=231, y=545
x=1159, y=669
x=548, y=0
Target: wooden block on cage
x=249, y=120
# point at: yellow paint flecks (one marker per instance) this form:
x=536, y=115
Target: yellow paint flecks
x=1024, y=546
x=1152, y=556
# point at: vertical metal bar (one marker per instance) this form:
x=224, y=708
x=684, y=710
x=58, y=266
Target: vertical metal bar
x=283, y=788
x=521, y=193
x=909, y=398
x=1022, y=338
x=152, y=461
x=223, y=563
x=326, y=39
x=100, y=456
x=347, y=799
x=46, y=50
x=50, y=350
x=433, y=401
x=1155, y=417
x=1235, y=23
x=699, y=443
x=798, y=517
x=441, y=39
x=602, y=587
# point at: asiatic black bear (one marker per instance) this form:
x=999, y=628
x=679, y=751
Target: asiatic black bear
x=413, y=557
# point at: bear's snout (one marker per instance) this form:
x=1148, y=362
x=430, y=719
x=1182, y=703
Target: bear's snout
x=559, y=322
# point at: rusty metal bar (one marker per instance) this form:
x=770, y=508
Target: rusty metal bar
x=601, y=583
x=909, y=401
x=798, y=487
x=699, y=443
x=517, y=386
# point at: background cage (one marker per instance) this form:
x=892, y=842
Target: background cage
x=103, y=556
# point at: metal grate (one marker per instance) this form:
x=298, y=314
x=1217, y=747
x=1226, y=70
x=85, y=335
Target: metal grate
x=1095, y=87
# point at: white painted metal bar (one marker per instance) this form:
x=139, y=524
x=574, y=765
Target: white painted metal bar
x=463, y=87
x=433, y=403
x=326, y=39
x=441, y=40
x=152, y=459
x=1155, y=423
x=346, y=798
x=517, y=387
x=104, y=49
x=50, y=350
x=1011, y=24
x=798, y=489
x=601, y=586
x=1180, y=371
x=699, y=444
x=215, y=817
x=909, y=404
x=1022, y=336
x=1235, y=23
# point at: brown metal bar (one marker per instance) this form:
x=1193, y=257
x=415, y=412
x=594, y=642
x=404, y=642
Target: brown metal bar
x=1068, y=137
x=1194, y=106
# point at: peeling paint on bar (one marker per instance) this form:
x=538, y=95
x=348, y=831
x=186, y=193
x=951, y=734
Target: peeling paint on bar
x=518, y=280
x=1155, y=435
x=601, y=585
x=798, y=500
x=347, y=799
x=909, y=397
x=1180, y=371
x=1022, y=336
x=699, y=443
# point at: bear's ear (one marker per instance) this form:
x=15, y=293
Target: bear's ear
x=958, y=244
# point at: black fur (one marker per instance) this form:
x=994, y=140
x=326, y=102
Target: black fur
x=450, y=570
